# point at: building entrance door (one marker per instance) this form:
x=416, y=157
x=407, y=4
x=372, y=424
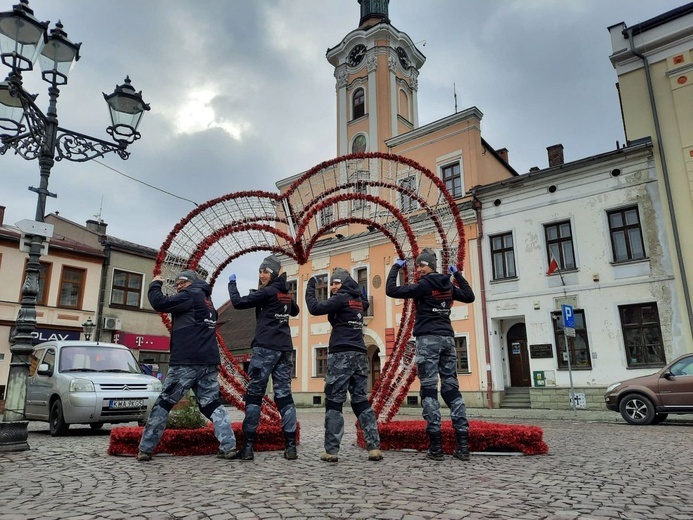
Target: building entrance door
x=518, y=356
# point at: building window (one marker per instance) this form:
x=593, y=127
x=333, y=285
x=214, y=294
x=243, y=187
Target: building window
x=320, y=361
x=559, y=244
x=453, y=179
x=126, y=289
x=321, y=287
x=503, y=256
x=407, y=201
x=326, y=216
x=293, y=364
x=43, y=283
x=293, y=289
x=462, y=355
x=361, y=276
x=359, y=180
x=626, y=235
x=642, y=335
x=71, y=287
x=359, y=144
x=359, y=103
x=578, y=347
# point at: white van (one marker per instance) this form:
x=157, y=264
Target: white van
x=87, y=382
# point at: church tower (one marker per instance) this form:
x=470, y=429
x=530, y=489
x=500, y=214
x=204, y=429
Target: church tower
x=376, y=71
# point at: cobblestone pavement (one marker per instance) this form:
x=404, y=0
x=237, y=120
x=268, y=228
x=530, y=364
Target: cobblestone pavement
x=595, y=469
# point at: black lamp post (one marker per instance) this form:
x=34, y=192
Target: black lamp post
x=88, y=327
x=32, y=134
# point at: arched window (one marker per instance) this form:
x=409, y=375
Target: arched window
x=358, y=103
x=404, y=105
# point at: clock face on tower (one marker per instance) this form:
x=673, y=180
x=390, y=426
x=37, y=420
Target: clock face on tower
x=356, y=55
x=403, y=58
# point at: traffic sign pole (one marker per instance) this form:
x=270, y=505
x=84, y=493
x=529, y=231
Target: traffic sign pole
x=569, y=323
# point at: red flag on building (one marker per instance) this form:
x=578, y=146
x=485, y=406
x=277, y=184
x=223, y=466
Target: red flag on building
x=553, y=265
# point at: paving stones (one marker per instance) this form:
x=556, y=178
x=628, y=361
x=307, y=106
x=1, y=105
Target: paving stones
x=594, y=470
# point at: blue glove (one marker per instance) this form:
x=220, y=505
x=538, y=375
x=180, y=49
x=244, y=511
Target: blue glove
x=452, y=269
x=232, y=278
x=401, y=262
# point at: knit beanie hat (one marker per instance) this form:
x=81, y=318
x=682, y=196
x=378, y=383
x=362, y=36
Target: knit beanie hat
x=187, y=276
x=339, y=275
x=272, y=265
x=428, y=258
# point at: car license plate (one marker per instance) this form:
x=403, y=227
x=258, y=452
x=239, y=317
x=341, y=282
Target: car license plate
x=126, y=403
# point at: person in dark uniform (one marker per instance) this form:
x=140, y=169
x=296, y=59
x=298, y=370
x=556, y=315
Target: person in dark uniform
x=347, y=363
x=272, y=349
x=436, y=357
x=194, y=362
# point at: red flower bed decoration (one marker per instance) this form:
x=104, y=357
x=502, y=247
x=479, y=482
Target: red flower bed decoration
x=483, y=436
x=198, y=441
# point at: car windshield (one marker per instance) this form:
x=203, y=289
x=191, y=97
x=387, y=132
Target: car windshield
x=97, y=358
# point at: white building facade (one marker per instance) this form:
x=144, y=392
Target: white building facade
x=601, y=219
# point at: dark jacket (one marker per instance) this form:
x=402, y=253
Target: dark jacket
x=344, y=311
x=194, y=318
x=273, y=306
x=433, y=297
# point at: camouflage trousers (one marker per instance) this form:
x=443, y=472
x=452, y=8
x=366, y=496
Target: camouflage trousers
x=436, y=357
x=264, y=363
x=348, y=371
x=202, y=379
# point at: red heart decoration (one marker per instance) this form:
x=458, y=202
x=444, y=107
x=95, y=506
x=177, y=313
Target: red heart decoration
x=389, y=193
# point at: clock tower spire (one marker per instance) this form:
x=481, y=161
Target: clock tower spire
x=373, y=12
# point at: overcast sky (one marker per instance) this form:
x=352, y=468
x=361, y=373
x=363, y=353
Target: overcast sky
x=241, y=94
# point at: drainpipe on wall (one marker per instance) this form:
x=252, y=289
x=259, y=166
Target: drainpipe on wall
x=102, y=291
x=665, y=176
x=476, y=204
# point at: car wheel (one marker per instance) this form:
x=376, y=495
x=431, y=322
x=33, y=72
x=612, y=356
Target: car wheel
x=96, y=425
x=659, y=418
x=637, y=409
x=57, y=423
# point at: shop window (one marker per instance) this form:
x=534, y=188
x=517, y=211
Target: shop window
x=642, y=335
x=578, y=347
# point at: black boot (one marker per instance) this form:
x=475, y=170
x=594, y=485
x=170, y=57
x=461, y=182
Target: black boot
x=435, y=450
x=462, y=451
x=246, y=452
x=290, y=452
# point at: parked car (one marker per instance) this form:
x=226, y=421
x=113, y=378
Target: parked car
x=650, y=399
x=87, y=382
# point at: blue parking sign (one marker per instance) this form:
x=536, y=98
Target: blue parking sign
x=568, y=316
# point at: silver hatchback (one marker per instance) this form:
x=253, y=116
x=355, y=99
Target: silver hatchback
x=87, y=382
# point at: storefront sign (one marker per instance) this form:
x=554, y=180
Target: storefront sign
x=40, y=335
x=542, y=350
x=142, y=341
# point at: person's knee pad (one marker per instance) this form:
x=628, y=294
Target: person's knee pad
x=450, y=396
x=208, y=409
x=360, y=407
x=166, y=405
x=428, y=392
x=283, y=402
x=333, y=405
x=253, y=399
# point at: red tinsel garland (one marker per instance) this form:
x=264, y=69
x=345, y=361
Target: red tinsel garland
x=198, y=441
x=483, y=436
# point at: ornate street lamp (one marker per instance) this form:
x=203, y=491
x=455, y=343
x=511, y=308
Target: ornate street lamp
x=88, y=327
x=33, y=134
